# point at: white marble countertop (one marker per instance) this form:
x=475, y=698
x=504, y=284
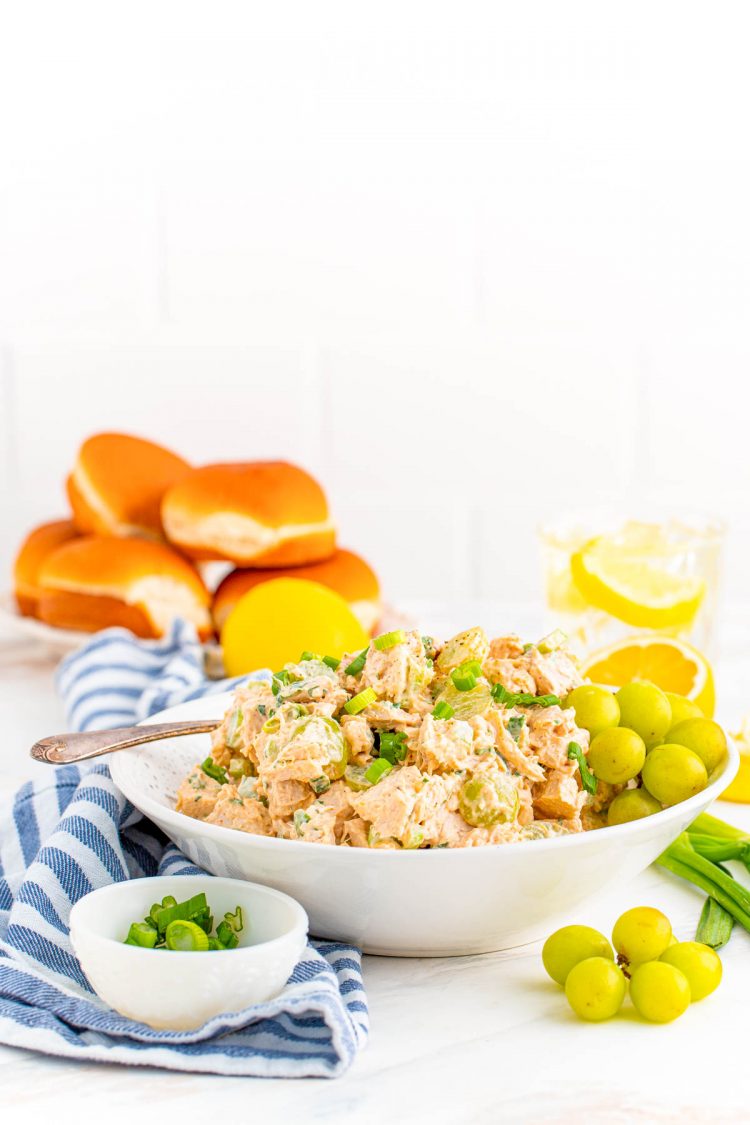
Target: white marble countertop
x=475, y=1039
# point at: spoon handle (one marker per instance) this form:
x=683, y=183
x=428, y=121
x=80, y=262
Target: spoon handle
x=61, y=749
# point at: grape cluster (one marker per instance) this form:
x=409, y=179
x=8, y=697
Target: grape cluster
x=665, y=975
x=656, y=743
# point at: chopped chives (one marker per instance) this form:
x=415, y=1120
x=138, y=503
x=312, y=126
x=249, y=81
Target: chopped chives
x=389, y=640
x=377, y=770
x=442, y=710
x=358, y=702
x=357, y=664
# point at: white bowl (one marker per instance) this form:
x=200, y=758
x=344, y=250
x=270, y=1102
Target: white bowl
x=418, y=903
x=182, y=990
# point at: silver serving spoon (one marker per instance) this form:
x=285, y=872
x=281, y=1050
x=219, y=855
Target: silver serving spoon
x=61, y=749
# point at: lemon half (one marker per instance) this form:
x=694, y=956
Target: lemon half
x=276, y=621
x=669, y=663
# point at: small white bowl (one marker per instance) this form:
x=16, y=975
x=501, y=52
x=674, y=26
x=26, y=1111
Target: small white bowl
x=178, y=990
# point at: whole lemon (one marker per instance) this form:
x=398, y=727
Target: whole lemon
x=276, y=621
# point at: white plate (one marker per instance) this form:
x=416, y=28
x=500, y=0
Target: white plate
x=435, y=902
x=57, y=640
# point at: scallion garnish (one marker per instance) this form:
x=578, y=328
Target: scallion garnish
x=389, y=640
x=507, y=698
x=392, y=746
x=320, y=784
x=465, y=677
x=185, y=926
x=140, y=933
x=357, y=664
x=331, y=661
x=377, y=770
x=442, y=710
x=211, y=770
x=588, y=779
x=358, y=702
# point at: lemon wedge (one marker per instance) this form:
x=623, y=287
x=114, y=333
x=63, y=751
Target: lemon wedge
x=671, y=664
x=633, y=590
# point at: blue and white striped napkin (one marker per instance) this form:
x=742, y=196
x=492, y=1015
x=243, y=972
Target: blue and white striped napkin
x=74, y=832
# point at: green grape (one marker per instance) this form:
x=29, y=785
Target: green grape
x=660, y=992
x=645, y=709
x=488, y=799
x=617, y=755
x=469, y=645
x=672, y=773
x=704, y=737
x=633, y=804
x=641, y=934
x=595, y=989
x=700, y=964
x=682, y=708
x=596, y=708
x=466, y=704
x=566, y=947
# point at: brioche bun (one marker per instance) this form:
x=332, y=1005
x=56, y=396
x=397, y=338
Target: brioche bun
x=118, y=482
x=95, y=581
x=345, y=573
x=257, y=513
x=37, y=545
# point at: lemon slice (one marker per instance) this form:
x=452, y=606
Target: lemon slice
x=631, y=589
x=669, y=663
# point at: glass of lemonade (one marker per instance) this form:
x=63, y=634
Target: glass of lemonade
x=607, y=577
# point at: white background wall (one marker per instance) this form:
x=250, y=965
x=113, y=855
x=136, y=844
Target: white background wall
x=469, y=263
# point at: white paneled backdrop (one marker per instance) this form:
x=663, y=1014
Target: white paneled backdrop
x=471, y=263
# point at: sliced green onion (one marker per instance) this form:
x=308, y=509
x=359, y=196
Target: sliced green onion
x=211, y=769
x=357, y=664
x=226, y=937
x=377, y=770
x=507, y=698
x=331, y=661
x=185, y=936
x=442, y=710
x=140, y=933
x=320, y=784
x=465, y=677
x=392, y=746
x=239, y=767
x=358, y=702
x=715, y=925
x=389, y=640
x=306, y=655
x=588, y=779
x=271, y=725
